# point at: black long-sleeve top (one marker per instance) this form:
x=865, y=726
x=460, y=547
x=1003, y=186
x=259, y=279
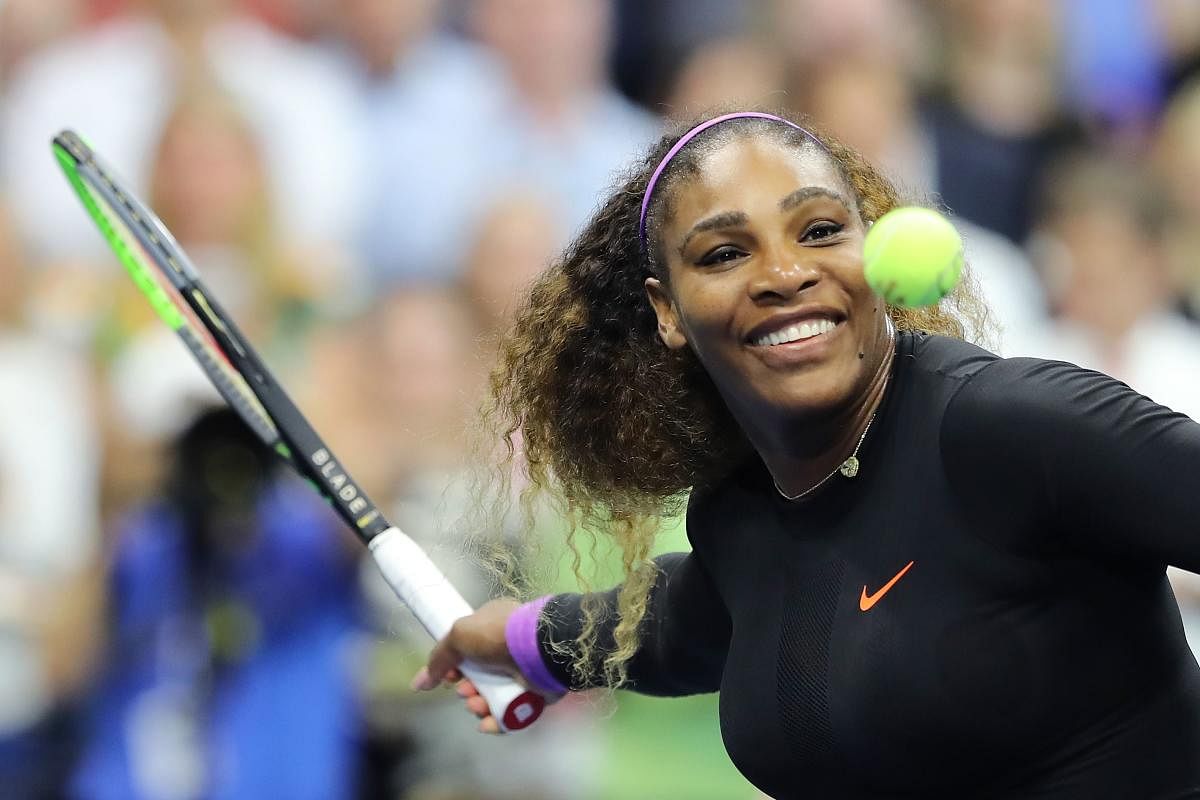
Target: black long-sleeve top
x=1007, y=534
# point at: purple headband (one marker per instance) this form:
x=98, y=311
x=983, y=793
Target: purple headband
x=687, y=137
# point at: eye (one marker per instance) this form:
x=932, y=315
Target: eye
x=720, y=255
x=819, y=231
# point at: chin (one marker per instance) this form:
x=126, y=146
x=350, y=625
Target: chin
x=763, y=388
x=810, y=395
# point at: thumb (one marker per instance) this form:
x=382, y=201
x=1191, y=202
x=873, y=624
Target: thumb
x=443, y=660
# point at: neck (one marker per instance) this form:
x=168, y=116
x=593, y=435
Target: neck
x=801, y=453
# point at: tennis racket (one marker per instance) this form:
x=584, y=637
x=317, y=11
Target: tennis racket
x=170, y=282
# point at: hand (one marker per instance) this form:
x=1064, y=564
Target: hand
x=480, y=639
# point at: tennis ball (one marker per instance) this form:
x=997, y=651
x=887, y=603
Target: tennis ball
x=912, y=256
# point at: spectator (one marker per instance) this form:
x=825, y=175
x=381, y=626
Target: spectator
x=49, y=543
x=997, y=119
x=559, y=125
x=515, y=242
x=211, y=187
x=1100, y=245
x=741, y=71
x=1177, y=157
x=28, y=25
x=813, y=30
x=1115, y=67
x=425, y=96
x=209, y=184
x=653, y=39
x=232, y=614
x=117, y=84
x=1177, y=27
x=450, y=122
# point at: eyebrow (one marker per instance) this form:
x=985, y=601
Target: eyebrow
x=729, y=219
x=809, y=192
x=725, y=219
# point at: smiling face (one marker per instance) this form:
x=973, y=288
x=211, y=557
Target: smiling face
x=763, y=255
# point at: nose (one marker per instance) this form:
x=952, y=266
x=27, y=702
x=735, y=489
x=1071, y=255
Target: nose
x=782, y=277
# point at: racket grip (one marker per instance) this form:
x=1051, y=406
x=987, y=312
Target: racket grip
x=437, y=605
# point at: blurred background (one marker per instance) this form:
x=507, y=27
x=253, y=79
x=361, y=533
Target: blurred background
x=368, y=185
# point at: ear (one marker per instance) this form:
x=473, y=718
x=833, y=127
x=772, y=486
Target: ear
x=669, y=328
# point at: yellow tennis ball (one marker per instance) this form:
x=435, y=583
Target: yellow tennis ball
x=912, y=256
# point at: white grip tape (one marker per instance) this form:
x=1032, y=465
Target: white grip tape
x=437, y=605
x=418, y=582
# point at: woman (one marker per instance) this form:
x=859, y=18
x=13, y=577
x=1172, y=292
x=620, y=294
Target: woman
x=918, y=569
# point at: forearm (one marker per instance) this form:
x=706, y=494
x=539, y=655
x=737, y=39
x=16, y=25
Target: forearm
x=682, y=638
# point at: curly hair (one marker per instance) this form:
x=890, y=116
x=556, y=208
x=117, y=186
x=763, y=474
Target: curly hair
x=614, y=425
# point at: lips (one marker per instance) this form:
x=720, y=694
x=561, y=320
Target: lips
x=797, y=325
x=798, y=332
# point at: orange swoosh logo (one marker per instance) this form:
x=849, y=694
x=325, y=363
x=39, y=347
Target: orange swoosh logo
x=868, y=600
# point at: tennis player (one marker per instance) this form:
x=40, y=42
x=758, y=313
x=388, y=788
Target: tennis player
x=919, y=569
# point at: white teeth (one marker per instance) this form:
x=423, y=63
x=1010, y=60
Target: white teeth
x=805, y=330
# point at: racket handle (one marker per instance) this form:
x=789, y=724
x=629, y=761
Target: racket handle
x=437, y=605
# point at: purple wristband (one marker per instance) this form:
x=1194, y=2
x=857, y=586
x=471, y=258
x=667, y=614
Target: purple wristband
x=520, y=632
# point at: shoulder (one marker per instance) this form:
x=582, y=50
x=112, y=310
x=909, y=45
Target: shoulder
x=942, y=355
x=1009, y=429
x=983, y=385
x=1033, y=390
x=928, y=371
x=1020, y=416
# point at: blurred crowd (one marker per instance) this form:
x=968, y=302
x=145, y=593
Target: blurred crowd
x=368, y=185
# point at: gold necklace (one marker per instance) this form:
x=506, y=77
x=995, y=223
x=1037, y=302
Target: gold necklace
x=848, y=468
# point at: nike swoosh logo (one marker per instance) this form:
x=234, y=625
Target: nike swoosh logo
x=866, y=602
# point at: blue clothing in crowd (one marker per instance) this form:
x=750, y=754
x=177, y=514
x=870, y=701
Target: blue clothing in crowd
x=235, y=686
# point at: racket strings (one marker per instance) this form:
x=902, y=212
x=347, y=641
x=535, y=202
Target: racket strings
x=230, y=389
x=168, y=302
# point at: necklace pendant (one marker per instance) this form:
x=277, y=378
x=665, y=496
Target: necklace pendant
x=849, y=467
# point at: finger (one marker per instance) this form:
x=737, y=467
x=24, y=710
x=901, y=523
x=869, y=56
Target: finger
x=489, y=725
x=454, y=675
x=422, y=681
x=466, y=689
x=443, y=659
x=478, y=706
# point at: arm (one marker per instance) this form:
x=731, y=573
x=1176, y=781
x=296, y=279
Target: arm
x=684, y=635
x=1080, y=454
x=684, y=640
